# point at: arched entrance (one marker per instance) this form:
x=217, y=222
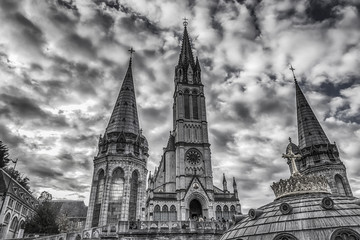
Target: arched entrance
x=195, y=209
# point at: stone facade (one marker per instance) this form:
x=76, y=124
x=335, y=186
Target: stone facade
x=119, y=177
x=182, y=186
x=318, y=155
x=17, y=205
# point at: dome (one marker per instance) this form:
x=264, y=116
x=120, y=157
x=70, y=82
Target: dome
x=304, y=216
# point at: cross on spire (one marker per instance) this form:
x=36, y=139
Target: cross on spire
x=131, y=50
x=292, y=70
x=185, y=21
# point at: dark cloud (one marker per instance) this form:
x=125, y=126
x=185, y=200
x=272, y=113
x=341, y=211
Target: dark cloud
x=320, y=10
x=62, y=63
x=221, y=139
x=45, y=173
x=9, y=138
x=22, y=106
x=69, y=4
x=243, y=113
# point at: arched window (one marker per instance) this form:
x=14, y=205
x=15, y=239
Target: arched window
x=345, y=234
x=134, y=185
x=14, y=224
x=98, y=197
x=232, y=210
x=218, y=213
x=340, y=185
x=285, y=236
x=22, y=225
x=116, y=195
x=157, y=216
x=165, y=213
x=172, y=213
x=187, y=103
x=195, y=105
x=226, y=214
x=7, y=218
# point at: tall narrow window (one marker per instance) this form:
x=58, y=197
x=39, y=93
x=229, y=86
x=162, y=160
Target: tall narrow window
x=116, y=195
x=98, y=198
x=14, y=226
x=134, y=185
x=218, y=213
x=232, y=210
x=195, y=106
x=165, y=213
x=187, y=104
x=157, y=213
x=226, y=212
x=173, y=213
x=340, y=185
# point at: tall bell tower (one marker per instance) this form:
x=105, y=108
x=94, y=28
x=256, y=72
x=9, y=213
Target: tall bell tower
x=182, y=186
x=119, y=178
x=190, y=125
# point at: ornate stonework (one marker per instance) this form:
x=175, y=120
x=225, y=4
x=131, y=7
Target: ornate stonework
x=299, y=184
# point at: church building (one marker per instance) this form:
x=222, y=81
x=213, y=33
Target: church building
x=119, y=177
x=182, y=188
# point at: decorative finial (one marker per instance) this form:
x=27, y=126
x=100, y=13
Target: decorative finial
x=185, y=23
x=289, y=139
x=131, y=50
x=292, y=69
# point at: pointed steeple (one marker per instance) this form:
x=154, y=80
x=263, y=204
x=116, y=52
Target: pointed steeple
x=124, y=117
x=224, y=183
x=310, y=131
x=186, y=55
x=197, y=64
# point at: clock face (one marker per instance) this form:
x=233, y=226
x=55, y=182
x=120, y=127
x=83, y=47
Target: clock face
x=193, y=157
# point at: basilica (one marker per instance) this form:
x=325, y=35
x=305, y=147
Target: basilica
x=181, y=188
x=126, y=196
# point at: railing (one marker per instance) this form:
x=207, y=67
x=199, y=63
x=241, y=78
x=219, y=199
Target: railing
x=172, y=225
x=134, y=227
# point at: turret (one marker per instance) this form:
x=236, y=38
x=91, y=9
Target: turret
x=225, y=189
x=235, y=188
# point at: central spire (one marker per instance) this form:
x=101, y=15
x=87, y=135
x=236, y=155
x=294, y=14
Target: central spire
x=186, y=55
x=124, y=117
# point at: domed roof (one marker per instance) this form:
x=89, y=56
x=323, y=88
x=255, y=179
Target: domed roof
x=305, y=216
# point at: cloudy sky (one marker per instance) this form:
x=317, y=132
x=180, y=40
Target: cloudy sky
x=62, y=64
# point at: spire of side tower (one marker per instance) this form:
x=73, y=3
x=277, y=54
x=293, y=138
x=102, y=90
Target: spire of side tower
x=310, y=131
x=124, y=117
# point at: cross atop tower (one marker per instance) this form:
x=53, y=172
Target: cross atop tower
x=292, y=69
x=131, y=50
x=185, y=23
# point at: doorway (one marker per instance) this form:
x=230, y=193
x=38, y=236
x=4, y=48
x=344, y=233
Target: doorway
x=195, y=209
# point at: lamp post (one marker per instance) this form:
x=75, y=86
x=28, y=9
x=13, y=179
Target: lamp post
x=6, y=190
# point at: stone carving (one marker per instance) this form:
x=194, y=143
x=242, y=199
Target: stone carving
x=298, y=184
x=292, y=157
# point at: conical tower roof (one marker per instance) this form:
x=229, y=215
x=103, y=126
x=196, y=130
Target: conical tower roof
x=186, y=55
x=310, y=131
x=124, y=117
